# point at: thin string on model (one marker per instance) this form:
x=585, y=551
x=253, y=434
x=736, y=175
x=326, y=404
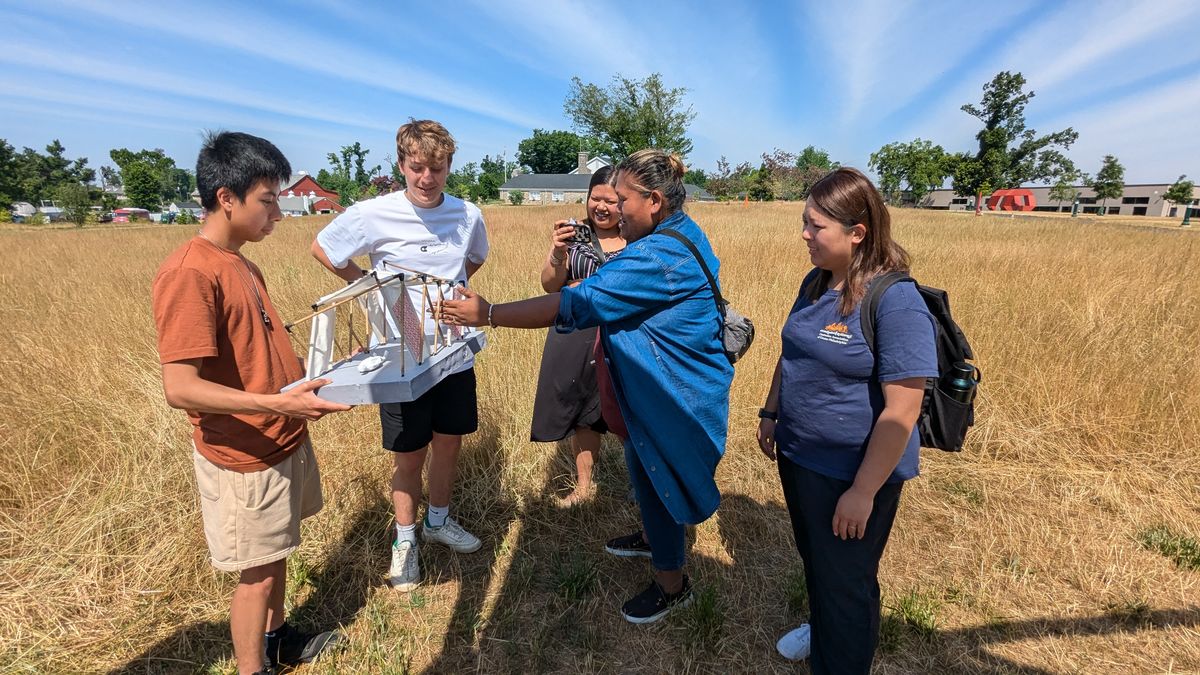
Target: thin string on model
x=253, y=285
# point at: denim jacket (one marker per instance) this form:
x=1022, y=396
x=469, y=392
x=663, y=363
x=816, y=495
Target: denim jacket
x=660, y=330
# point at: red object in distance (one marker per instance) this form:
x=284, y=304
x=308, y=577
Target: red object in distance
x=1019, y=199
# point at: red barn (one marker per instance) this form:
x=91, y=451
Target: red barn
x=302, y=184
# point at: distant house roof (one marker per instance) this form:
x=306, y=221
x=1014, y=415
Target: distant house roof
x=292, y=180
x=548, y=181
x=578, y=182
x=595, y=164
x=301, y=204
x=697, y=193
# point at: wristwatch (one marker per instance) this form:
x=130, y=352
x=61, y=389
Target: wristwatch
x=768, y=414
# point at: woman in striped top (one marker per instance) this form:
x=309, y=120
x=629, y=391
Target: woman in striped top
x=567, y=400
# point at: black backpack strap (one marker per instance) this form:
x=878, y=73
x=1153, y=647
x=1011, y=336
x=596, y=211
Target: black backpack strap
x=674, y=234
x=600, y=257
x=809, y=280
x=870, y=303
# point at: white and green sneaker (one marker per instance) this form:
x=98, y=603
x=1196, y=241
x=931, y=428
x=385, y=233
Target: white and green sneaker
x=451, y=534
x=405, y=574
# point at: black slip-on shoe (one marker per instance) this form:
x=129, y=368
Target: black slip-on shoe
x=654, y=603
x=290, y=647
x=630, y=546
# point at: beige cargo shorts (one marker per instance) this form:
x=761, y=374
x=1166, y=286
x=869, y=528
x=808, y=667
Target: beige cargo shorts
x=251, y=519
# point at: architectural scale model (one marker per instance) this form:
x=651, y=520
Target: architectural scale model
x=407, y=352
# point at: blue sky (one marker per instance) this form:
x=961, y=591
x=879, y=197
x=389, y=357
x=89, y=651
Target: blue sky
x=313, y=75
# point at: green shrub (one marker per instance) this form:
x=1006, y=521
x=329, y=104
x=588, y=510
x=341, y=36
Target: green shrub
x=1179, y=548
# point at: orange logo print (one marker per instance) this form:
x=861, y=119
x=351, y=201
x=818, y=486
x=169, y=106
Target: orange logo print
x=837, y=333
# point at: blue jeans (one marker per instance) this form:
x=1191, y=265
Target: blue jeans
x=664, y=535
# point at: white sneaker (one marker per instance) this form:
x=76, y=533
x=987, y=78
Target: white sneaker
x=451, y=534
x=796, y=644
x=406, y=568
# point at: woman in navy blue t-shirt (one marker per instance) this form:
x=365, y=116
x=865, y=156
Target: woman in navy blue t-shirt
x=840, y=420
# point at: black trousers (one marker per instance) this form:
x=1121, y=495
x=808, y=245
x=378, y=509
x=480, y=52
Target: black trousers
x=842, y=576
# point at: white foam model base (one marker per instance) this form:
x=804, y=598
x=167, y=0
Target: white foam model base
x=386, y=384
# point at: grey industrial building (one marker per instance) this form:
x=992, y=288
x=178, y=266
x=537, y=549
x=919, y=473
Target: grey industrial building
x=1137, y=200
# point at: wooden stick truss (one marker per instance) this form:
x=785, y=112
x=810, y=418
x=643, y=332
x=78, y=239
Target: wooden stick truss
x=388, y=307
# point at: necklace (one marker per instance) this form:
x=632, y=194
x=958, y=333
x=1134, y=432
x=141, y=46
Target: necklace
x=248, y=272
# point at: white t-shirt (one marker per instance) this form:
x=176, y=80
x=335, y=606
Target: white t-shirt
x=390, y=229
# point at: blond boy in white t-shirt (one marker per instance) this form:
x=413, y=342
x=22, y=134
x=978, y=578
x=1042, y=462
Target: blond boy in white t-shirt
x=421, y=228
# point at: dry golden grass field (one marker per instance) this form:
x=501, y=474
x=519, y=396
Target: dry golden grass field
x=1064, y=539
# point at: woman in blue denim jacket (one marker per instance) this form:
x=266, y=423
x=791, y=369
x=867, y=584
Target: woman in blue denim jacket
x=660, y=331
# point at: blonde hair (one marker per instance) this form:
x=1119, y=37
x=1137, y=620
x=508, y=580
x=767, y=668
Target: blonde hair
x=849, y=197
x=424, y=139
x=654, y=170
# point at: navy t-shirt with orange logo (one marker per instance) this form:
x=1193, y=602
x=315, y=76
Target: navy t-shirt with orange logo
x=828, y=398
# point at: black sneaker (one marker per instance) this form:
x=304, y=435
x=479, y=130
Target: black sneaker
x=630, y=546
x=654, y=603
x=288, y=646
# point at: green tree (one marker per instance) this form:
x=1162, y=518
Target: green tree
x=1180, y=194
x=75, y=201
x=142, y=186
x=156, y=161
x=461, y=180
x=631, y=114
x=918, y=167
x=516, y=197
x=813, y=163
x=10, y=190
x=555, y=151
x=727, y=182
x=779, y=175
x=183, y=182
x=1009, y=154
x=759, y=184
x=348, y=175
x=110, y=177
x=696, y=177
x=32, y=177
x=1109, y=182
x=1064, y=189
x=814, y=156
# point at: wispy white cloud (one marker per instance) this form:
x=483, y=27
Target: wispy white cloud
x=1153, y=134
x=132, y=77
x=1105, y=31
x=1074, y=51
x=336, y=59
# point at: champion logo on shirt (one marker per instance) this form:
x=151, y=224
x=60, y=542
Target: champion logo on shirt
x=837, y=333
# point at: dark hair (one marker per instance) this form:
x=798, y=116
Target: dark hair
x=233, y=160
x=650, y=170
x=603, y=175
x=849, y=197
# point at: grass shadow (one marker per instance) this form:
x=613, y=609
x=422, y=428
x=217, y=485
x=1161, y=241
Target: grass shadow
x=333, y=596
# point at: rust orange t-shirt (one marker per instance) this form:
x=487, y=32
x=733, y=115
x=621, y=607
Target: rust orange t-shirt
x=205, y=308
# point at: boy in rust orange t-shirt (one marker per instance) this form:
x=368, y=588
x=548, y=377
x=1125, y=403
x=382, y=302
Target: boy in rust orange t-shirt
x=225, y=356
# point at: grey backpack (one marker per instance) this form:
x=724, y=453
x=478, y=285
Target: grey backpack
x=737, y=331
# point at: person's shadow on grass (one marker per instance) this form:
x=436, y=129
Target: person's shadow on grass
x=759, y=539
x=340, y=586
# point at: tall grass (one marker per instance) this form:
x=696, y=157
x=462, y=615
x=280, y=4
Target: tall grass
x=1086, y=437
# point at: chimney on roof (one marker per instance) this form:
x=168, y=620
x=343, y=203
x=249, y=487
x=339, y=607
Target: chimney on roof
x=302, y=173
x=583, y=160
